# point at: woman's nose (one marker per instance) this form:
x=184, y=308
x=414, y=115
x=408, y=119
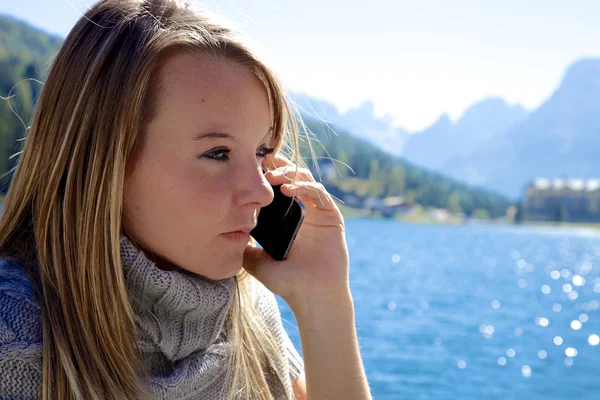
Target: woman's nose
x=254, y=188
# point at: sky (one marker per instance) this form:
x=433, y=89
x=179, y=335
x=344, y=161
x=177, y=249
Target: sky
x=413, y=59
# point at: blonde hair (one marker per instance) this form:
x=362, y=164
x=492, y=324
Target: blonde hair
x=63, y=212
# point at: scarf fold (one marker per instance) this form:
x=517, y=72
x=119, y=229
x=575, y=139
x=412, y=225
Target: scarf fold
x=180, y=316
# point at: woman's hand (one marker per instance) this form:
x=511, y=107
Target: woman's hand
x=313, y=280
x=317, y=263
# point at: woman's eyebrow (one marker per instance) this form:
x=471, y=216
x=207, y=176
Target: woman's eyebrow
x=219, y=135
x=214, y=135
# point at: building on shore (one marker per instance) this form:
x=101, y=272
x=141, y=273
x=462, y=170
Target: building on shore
x=562, y=200
x=388, y=206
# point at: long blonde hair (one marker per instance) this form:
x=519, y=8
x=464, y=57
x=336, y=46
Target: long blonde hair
x=62, y=215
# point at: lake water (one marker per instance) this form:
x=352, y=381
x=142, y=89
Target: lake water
x=475, y=312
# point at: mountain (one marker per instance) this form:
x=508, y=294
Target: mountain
x=444, y=140
x=25, y=52
x=431, y=147
x=376, y=172
x=561, y=138
x=361, y=121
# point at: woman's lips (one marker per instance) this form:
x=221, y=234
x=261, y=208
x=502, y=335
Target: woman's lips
x=237, y=236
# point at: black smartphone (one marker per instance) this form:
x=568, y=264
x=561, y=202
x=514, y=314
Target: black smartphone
x=278, y=224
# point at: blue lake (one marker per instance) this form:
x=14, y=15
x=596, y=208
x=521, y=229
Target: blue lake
x=475, y=311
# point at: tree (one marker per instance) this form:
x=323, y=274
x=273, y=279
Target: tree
x=395, y=182
x=376, y=179
x=518, y=213
x=454, y=203
x=481, y=213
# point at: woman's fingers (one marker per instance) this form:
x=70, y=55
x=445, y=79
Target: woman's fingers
x=313, y=191
x=274, y=161
x=289, y=174
x=299, y=182
x=278, y=164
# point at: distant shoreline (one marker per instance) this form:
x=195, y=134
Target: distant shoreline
x=424, y=219
x=348, y=212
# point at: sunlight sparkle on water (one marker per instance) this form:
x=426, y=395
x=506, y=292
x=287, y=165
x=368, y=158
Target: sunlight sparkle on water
x=542, y=321
x=558, y=340
x=594, y=340
x=586, y=266
x=556, y=307
x=568, y=361
x=555, y=274
x=570, y=352
x=542, y=354
x=502, y=361
x=526, y=371
x=576, y=325
x=573, y=294
x=487, y=330
x=546, y=289
x=578, y=280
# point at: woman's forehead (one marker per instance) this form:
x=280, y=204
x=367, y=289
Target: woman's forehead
x=183, y=72
x=199, y=89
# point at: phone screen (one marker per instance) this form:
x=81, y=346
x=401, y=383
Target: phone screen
x=278, y=223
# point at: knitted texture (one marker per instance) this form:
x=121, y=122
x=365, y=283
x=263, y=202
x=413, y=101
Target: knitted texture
x=20, y=335
x=181, y=319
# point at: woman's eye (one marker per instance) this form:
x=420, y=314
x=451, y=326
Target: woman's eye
x=265, y=151
x=217, y=155
x=221, y=155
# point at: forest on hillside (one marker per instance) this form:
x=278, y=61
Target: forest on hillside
x=25, y=54
x=375, y=173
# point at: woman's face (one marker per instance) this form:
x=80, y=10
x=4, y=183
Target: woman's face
x=185, y=190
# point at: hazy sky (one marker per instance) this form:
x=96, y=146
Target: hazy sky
x=412, y=59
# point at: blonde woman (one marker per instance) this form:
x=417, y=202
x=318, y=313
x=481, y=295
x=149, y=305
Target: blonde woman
x=119, y=278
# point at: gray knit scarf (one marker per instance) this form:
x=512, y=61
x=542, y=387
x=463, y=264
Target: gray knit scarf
x=180, y=316
x=182, y=332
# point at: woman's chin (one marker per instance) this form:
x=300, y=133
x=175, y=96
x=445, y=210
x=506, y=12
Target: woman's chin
x=213, y=268
x=223, y=272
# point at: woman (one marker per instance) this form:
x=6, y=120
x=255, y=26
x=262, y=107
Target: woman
x=120, y=277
